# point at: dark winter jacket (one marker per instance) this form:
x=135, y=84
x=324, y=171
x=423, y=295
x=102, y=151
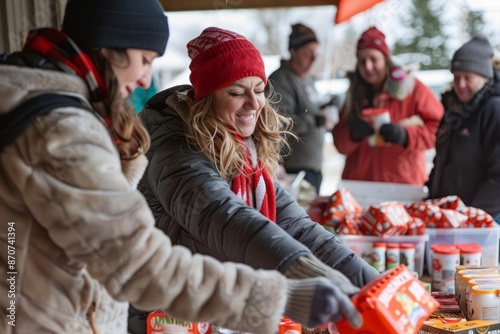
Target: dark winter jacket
x=197, y=208
x=467, y=161
x=299, y=100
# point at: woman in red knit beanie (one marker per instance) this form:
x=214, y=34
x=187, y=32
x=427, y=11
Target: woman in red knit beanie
x=393, y=151
x=211, y=180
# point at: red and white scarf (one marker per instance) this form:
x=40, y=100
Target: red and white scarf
x=255, y=185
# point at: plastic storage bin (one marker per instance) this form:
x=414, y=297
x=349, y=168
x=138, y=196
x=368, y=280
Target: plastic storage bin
x=371, y=193
x=486, y=237
x=362, y=245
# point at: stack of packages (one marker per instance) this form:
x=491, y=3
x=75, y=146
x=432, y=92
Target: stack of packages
x=342, y=214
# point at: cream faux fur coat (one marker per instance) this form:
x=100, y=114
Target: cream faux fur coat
x=82, y=241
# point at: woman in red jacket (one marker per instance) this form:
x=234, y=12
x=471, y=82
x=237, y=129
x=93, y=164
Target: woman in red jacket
x=412, y=114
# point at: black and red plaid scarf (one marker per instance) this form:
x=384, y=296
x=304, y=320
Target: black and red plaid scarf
x=59, y=48
x=255, y=185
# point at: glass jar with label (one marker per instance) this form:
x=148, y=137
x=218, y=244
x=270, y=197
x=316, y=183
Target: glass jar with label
x=378, y=256
x=407, y=255
x=445, y=259
x=392, y=256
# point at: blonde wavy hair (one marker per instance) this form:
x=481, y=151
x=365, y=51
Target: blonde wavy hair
x=360, y=94
x=209, y=135
x=133, y=138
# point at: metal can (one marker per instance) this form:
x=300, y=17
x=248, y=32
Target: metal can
x=290, y=328
x=378, y=256
x=407, y=255
x=392, y=256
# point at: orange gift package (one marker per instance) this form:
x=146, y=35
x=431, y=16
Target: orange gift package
x=394, y=303
x=342, y=206
x=157, y=320
x=386, y=219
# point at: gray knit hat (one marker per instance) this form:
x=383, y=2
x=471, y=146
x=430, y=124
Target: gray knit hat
x=474, y=56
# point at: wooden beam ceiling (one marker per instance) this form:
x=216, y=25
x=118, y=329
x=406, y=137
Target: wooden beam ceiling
x=190, y=5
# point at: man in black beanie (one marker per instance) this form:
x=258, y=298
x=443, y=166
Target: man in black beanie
x=299, y=100
x=467, y=161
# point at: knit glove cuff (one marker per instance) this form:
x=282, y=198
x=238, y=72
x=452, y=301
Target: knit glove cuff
x=316, y=301
x=311, y=266
x=300, y=299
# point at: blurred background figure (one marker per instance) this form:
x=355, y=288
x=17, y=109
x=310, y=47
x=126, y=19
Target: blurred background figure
x=298, y=99
x=389, y=118
x=467, y=161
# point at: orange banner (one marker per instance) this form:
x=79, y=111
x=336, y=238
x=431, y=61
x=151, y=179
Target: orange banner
x=348, y=8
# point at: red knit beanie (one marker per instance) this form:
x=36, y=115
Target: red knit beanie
x=220, y=57
x=373, y=39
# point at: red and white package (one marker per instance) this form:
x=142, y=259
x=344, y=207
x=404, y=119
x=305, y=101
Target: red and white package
x=435, y=216
x=416, y=227
x=449, y=202
x=476, y=218
x=157, y=321
x=349, y=227
x=451, y=219
x=427, y=211
x=393, y=303
x=342, y=205
x=385, y=219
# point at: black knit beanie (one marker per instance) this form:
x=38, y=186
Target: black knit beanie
x=474, y=56
x=300, y=36
x=122, y=24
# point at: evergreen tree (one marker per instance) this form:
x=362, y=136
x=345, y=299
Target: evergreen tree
x=475, y=24
x=424, y=41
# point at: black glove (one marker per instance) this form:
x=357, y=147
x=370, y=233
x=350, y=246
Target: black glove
x=394, y=133
x=359, y=129
x=320, y=120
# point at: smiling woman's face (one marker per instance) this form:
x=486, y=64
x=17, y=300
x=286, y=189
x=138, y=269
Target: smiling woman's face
x=239, y=104
x=371, y=65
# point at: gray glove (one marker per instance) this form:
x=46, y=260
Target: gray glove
x=316, y=301
x=311, y=266
x=358, y=271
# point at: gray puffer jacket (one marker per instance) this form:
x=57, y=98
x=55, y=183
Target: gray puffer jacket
x=197, y=208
